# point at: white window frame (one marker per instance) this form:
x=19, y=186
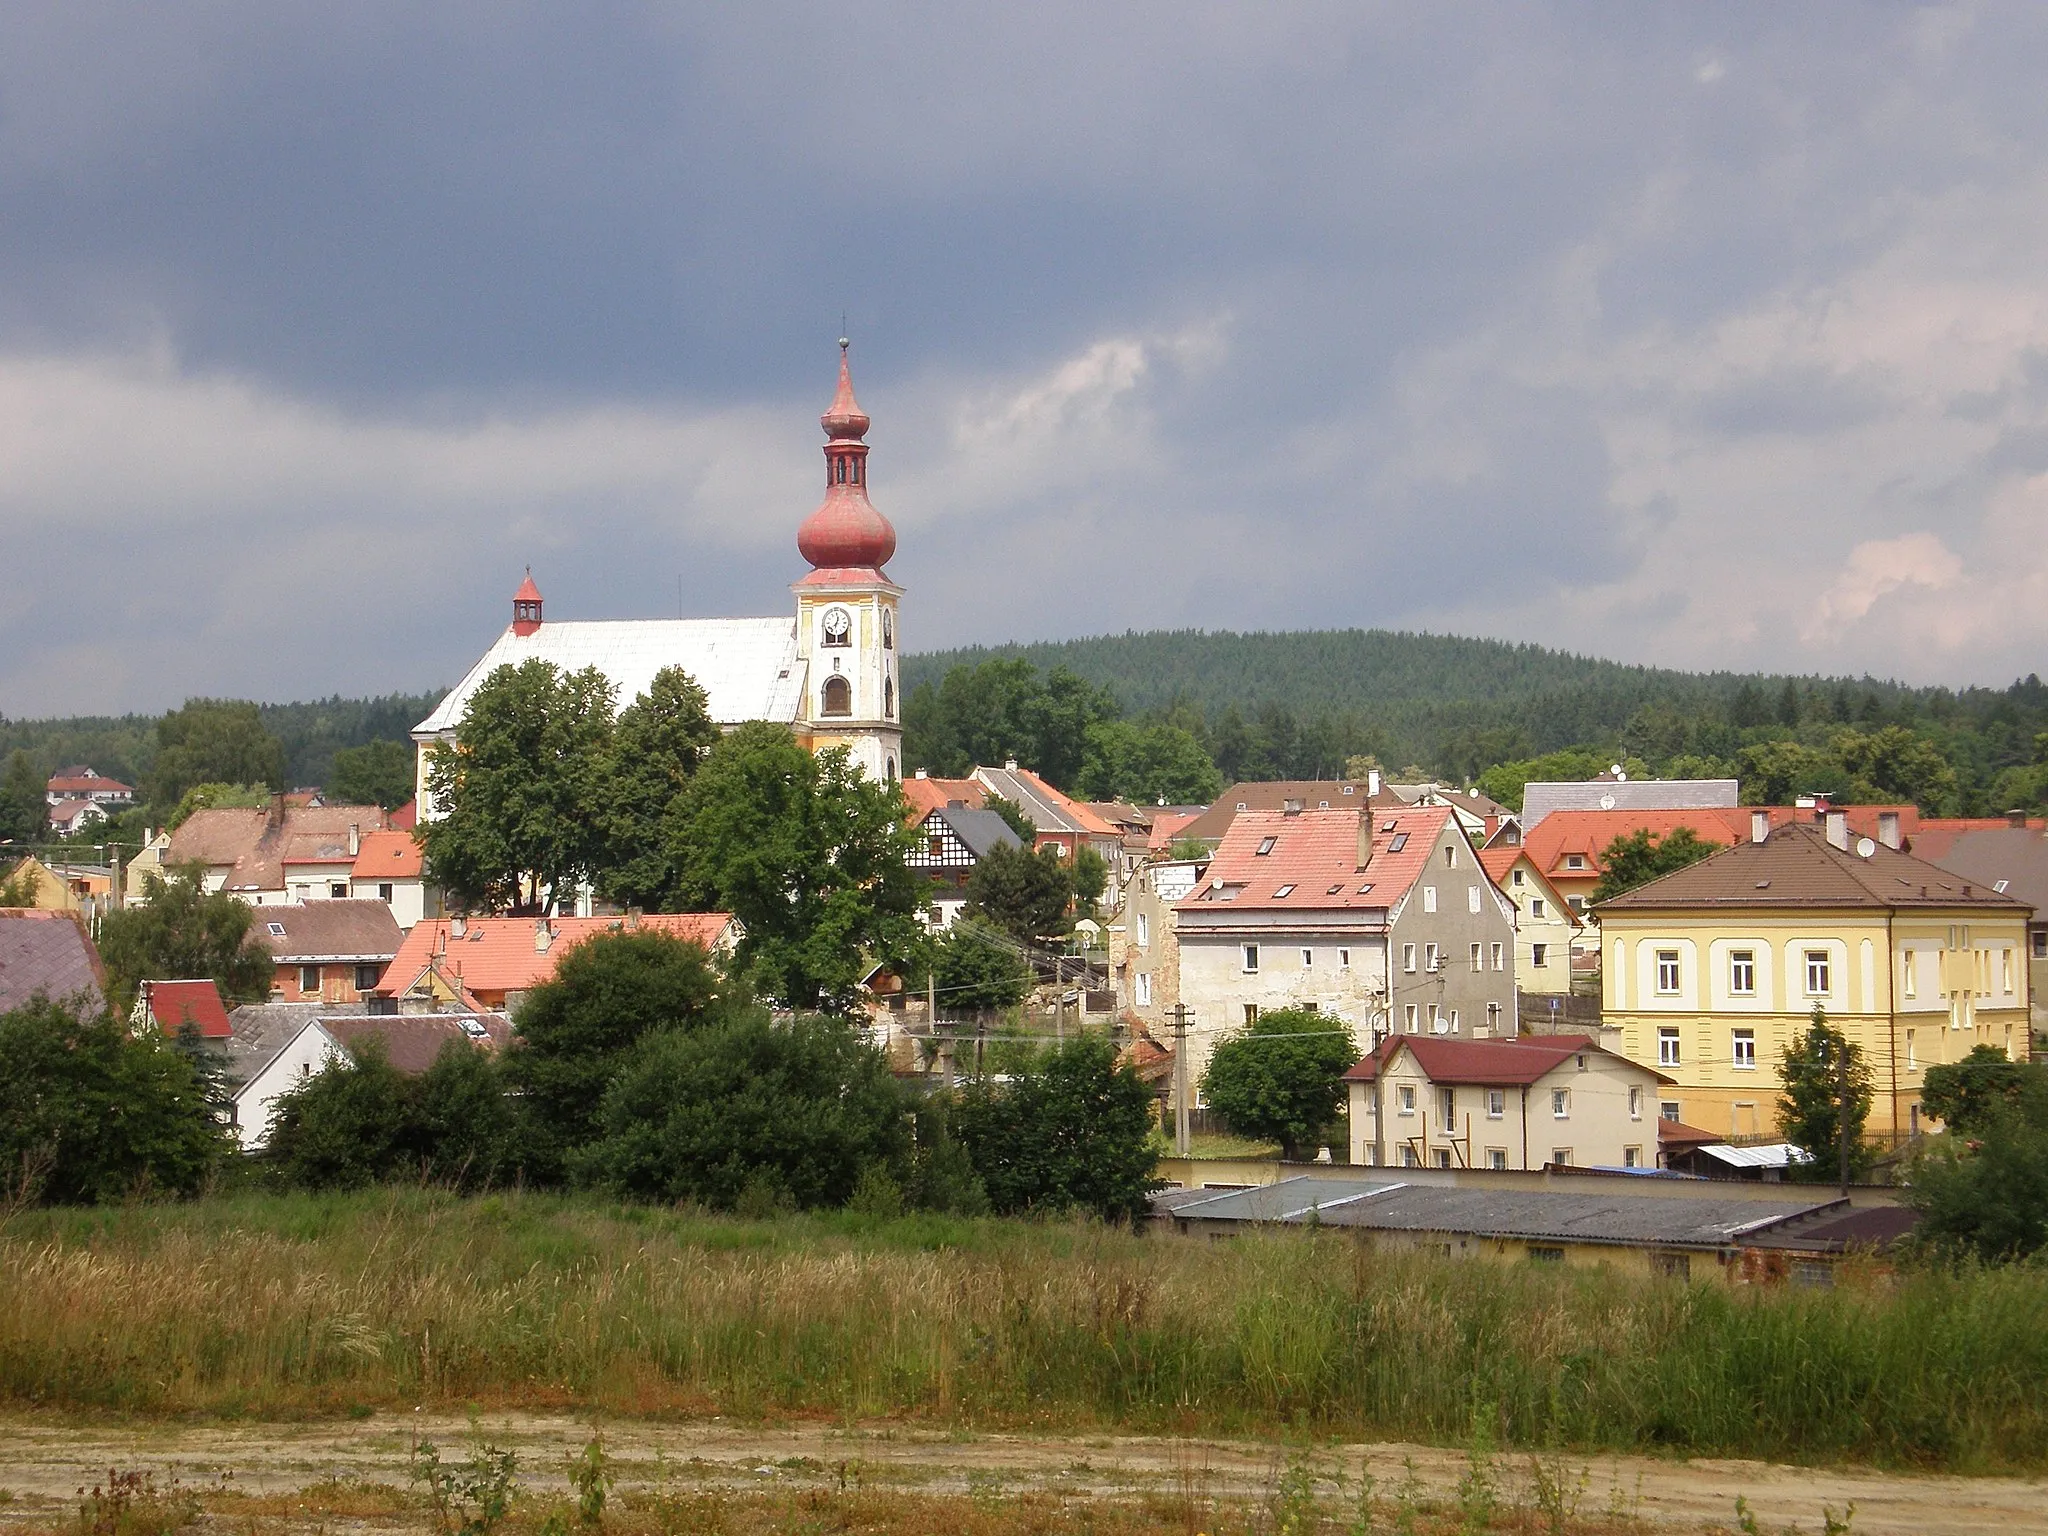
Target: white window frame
x=1478, y=957
x=1670, y=972
x=1742, y=1050
x=1496, y=1103
x=1739, y=961
x=1432, y=958
x=1536, y=908
x=1560, y=1103
x=1499, y=956
x=1497, y=1159
x=1408, y=959
x=1413, y=1019
x=1472, y=898
x=1635, y=1103
x=1404, y=1099
x=1144, y=930
x=1668, y=1052
x=1821, y=964
x=1343, y=959
x=1144, y=993
x=1250, y=957
x=1539, y=956
x=1429, y=898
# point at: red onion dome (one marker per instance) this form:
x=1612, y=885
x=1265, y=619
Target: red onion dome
x=846, y=532
x=844, y=418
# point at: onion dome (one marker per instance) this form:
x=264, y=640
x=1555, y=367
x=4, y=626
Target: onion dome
x=846, y=532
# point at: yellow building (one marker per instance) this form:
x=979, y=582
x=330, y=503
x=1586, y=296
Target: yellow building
x=1711, y=972
x=66, y=887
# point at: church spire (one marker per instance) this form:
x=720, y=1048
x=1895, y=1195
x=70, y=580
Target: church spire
x=846, y=532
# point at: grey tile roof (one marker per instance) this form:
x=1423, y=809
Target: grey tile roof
x=47, y=952
x=1540, y=799
x=2017, y=856
x=979, y=830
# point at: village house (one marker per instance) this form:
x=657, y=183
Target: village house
x=50, y=952
x=327, y=951
x=275, y=854
x=1545, y=924
x=172, y=1006
x=64, y=886
x=82, y=781
x=1616, y=791
x=391, y=868
x=2011, y=859
x=1276, y=795
x=487, y=964
x=953, y=839
x=1144, y=945
x=1390, y=924
x=1711, y=972
x=1423, y=1101
x=1064, y=825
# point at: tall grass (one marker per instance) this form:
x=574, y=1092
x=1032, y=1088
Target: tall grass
x=307, y=1305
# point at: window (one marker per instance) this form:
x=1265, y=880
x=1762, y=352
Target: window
x=1404, y=1099
x=1251, y=957
x=1432, y=958
x=1744, y=1054
x=1442, y=1157
x=1742, y=973
x=1576, y=903
x=1429, y=898
x=1560, y=1103
x=1478, y=963
x=309, y=978
x=836, y=698
x=1265, y=844
x=338, y=889
x=1537, y=908
x=1284, y=891
x=1667, y=1109
x=1817, y=973
x=1631, y=1157
x=888, y=629
x=1909, y=973
x=1667, y=972
x=276, y=930
x=936, y=848
x=836, y=628
x=1912, y=1054
x=1496, y=1103
x=1667, y=1048
x=1497, y=1158
x=1635, y=1103
x=2040, y=937
x=1545, y=1255
x=1414, y=1026
x=1499, y=958
x=2005, y=970
x=1308, y=958
x=1344, y=959
x=1514, y=877
x=1575, y=861
x=1493, y=1018
x=1144, y=930
x=889, y=698
x=1400, y=841
x=1447, y=1105
x=1408, y=958
x=1450, y=858
x=384, y=891
x=1251, y=1014
x=1144, y=989
x=366, y=976
x=1408, y=1158
x=1539, y=955
x=1452, y=1028
x=1562, y=1156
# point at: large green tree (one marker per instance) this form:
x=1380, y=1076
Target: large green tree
x=810, y=854
x=1642, y=856
x=1982, y=1189
x=1147, y=763
x=660, y=741
x=1281, y=1079
x=1965, y=1095
x=1899, y=764
x=90, y=1112
x=577, y=1029
x=375, y=773
x=1069, y=1129
x=977, y=969
x=523, y=790
x=1022, y=893
x=1000, y=709
x=1826, y=1098
x=212, y=741
x=180, y=931
x=24, y=814
x=753, y=1114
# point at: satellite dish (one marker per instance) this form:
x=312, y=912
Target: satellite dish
x=1865, y=847
x=1607, y=802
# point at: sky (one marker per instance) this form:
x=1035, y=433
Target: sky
x=1704, y=336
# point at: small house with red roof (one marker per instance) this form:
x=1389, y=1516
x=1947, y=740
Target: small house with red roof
x=82, y=781
x=1545, y=924
x=1387, y=921
x=391, y=867
x=171, y=1005
x=1422, y=1101
x=489, y=963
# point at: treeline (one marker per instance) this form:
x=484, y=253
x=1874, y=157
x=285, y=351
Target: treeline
x=1321, y=705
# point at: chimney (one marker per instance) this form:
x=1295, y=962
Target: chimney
x=541, y=936
x=1372, y=781
x=1838, y=829
x=2016, y=819
x=1888, y=828
x=1364, y=836
x=1290, y=807
x=1009, y=765
x=355, y=838
x=457, y=927
x=924, y=773
x=1759, y=826
x=274, y=821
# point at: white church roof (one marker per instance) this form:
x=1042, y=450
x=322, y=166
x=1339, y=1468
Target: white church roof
x=748, y=668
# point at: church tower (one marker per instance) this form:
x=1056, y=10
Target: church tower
x=846, y=618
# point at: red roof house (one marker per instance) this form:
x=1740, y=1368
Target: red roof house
x=171, y=1005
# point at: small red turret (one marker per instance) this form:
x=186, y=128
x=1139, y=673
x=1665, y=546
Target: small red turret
x=526, y=606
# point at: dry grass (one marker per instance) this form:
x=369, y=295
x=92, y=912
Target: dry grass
x=291, y=1306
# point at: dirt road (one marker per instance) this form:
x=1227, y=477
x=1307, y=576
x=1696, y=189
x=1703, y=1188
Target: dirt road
x=43, y=1463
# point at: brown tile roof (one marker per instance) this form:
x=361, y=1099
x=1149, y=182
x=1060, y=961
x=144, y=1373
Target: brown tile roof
x=1311, y=860
x=254, y=844
x=388, y=856
x=500, y=954
x=414, y=1041
x=1491, y=1063
x=1798, y=867
x=50, y=953
x=306, y=932
x=1273, y=795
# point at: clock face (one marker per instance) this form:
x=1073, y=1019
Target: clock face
x=838, y=625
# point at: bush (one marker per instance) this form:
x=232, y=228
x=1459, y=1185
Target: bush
x=1282, y=1079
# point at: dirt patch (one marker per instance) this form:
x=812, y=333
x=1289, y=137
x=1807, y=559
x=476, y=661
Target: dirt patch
x=43, y=1464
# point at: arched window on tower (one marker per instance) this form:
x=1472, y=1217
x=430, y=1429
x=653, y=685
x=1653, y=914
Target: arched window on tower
x=837, y=698
x=888, y=698
x=888, y=629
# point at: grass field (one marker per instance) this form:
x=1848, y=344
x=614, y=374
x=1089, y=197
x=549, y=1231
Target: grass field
x=288, y=1306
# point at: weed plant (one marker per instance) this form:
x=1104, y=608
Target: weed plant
x=297, y=1304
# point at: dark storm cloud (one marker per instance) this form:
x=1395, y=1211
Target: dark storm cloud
x=317, y=324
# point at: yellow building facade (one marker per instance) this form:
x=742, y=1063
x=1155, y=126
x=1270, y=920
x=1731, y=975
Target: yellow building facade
x=1712, y=972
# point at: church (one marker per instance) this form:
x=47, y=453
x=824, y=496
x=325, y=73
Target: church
x=827, y=671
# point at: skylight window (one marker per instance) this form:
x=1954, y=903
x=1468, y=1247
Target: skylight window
x=1266, y=845
x=1365, y=889
x=1333, y=890
x=277, y=930
x=1285, y=890
x=1400, y=841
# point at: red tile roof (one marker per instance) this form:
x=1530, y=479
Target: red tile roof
x=1311, y=860
x=1167, y=827
x=388, y=856
x=405, y=818
x=1490, y=1063
x=927, y=795
x=501, y=954
x=1273, y=795
x=170, y=1004
x=254, y=849
x=72, y=782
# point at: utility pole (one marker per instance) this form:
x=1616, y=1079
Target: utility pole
x=1179, y=1016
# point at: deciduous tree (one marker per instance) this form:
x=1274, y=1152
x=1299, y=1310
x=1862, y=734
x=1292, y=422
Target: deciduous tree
x=1281, y=1079
x=1827, y=1097
x=179, y=931
x=977, y=969
x=375, y=773
x=659, y=742
x=1641, y=857
x=212, y=741
x=24, y=813
x=1022, y=893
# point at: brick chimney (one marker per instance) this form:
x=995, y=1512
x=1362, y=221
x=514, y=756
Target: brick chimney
x=1364, y=836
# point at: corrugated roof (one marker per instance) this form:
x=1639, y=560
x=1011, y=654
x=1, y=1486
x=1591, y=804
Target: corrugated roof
x=1798, y=867
x=748, y=668
x=50, y=953
x=1775, y=1154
